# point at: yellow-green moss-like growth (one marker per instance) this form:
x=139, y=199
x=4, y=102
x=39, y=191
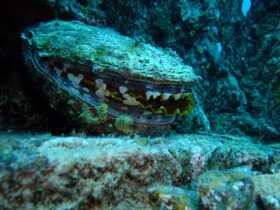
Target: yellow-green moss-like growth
x=124, y=123
x=101, y=112
x=167, y=197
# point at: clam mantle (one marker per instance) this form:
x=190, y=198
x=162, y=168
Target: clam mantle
x=103, y=82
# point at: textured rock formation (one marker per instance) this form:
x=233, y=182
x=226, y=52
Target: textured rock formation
x=46, y=172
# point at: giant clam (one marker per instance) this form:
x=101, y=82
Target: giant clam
x=103, y=82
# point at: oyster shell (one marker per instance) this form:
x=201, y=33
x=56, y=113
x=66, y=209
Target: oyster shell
x=92, y=76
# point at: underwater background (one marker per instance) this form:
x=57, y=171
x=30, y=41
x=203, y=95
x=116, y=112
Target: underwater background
x=224, y=153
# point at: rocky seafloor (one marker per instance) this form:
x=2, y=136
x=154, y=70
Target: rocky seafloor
x=177, y=172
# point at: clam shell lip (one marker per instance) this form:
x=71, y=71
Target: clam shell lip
x=106, y=51
x=71, y=84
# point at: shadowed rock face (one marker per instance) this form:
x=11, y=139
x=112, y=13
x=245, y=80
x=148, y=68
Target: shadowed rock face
x=99, y=67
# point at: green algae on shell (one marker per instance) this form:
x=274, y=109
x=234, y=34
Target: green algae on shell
x=96, y=65
x=108, y=51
